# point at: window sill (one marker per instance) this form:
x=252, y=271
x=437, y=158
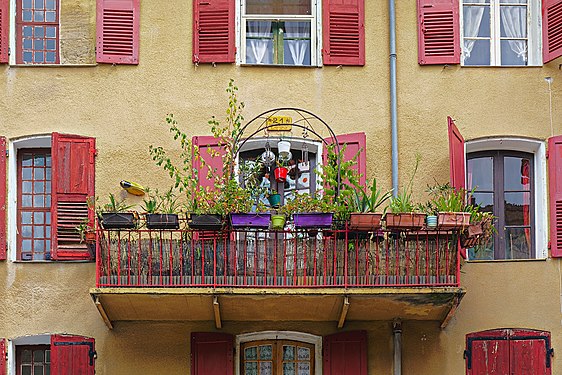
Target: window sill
x=281, y=66
x=506, y=260
x=52, y=65
x=502, y=66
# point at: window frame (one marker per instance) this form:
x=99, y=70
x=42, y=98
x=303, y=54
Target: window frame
x=20, y=348
x=315, y=35
x=534, y=33
x=277, y=352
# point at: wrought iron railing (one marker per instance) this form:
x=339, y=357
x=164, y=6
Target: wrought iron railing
x=268, y=259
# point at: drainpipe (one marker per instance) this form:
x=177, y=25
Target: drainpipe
x=393, y=99
x=397, y=336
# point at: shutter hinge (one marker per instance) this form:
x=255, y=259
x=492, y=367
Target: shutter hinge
x=93, y=154
x=547, y=153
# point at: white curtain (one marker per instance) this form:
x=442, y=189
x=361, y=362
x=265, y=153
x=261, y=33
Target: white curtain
x=259, y=51
x=472, y=20
x=298, y=48
x=514, y=22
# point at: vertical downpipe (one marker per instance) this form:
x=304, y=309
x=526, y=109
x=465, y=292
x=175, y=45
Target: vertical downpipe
x=397, y=336
x=393, y=98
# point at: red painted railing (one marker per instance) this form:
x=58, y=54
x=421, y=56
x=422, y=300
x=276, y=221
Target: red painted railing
x=269, y=259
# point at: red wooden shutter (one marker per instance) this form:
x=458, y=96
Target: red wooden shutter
x=71, y=355
x=4, y=30
x=456, y=156
x=213, y=31
x=72, y=183
x=551, y=29
x=355, y=142
x=212, y=353
x=3, y=199
x=344, y=32
x=438, y=32
x=211, y=152
x=487, y=352
x=3, y=356
x=530, y=352
x=345, y=353
x=118, y=23
x=555, y=194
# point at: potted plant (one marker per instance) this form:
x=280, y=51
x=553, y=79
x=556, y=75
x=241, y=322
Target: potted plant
x=274, y=199
x=366, y=203
x=116, y=215
x=278, y=221
x=310, y=212
x=160, y=210
x=86, y=232
x=480, y=230
x=281, y=171
x=450, y=205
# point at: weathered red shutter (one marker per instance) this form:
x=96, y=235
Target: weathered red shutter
x=118, y=23
x=3, y=365
x=72, y=183
x=456, y=156
x=530, y=352
x=345, y=353
x=211, y=153
x=487, y=352
x=3, y=199
x=212, y=353
x=551, y=29
x=4, y=30
x=71, y=355
x=356, y=142
x=438, y=32
x=344, y=32
x=213, y=31
x=555, y=194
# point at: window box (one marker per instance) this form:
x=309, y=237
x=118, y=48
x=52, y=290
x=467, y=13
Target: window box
x=250, y=220
x=405, y=220
x=367, y=221
x=206, y=222
x=453, y=220
x=162, y=221
x=313, y=219
x=119, y=220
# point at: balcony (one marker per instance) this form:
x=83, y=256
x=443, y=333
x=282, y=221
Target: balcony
x=316, y=275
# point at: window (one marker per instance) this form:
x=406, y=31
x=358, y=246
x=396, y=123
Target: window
x=278, y=32
x=34, y=204
x=37, y=30
x=33, y=360
x=508, y=351
x=277, y=356
x=503, y=183
x=500, y=32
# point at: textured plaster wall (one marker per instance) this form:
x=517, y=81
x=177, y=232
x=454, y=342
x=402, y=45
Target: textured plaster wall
x=124, y=107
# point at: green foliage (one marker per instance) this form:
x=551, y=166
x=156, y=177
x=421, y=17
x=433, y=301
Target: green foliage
x=445, y=198
x=115, y=205
x=166, y=203
x=369, y=199
x=307, y=203
x=402, y=202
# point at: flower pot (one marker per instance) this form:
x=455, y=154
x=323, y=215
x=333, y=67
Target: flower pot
x=250, y=220
x=118, y=220
x=90, y=236
x=405, y=221
x=313, y=220
x=474, y=230
x=278, y=222
x=366, y=221
x=453, y=220
x=206, y=222
x=280, y=174
x=284, y=150
x=274, y=200
x=431, y=221
x=162, y=221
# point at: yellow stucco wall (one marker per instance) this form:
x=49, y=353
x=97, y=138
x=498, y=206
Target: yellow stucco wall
x=124, y=107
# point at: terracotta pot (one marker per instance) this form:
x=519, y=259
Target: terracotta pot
x=366, y=221
x=453, y=220
x=405, y=221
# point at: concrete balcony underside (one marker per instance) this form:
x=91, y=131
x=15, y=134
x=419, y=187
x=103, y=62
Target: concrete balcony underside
x=284, y=304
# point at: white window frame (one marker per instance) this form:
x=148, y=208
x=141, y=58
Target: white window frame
x=281, y=335
x=44, y=339
x=315, y=34
x=534, y=33
x=538, y=149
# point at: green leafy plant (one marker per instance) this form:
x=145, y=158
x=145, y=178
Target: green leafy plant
x=445, y=198
x=370, y=198
x=115, y=205
x=403, y=202
x=306, y=203
x=83, y=228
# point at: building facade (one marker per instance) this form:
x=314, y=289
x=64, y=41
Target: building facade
x=87, y=86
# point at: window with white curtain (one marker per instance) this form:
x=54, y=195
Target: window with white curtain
x=500, y=32
x=278, y=32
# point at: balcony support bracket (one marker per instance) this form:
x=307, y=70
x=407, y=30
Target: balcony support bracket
x=102, y=312
x=344, y=310
x=453, y=308
x=217, y=311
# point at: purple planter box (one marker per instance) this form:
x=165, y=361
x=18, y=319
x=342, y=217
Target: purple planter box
x=313, y=220
x=250, y=220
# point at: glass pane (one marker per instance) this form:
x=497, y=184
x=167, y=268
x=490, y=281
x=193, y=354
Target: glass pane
x=251, y=368
x=48, y=178
x=39, y=4
x=27, y=31
x=514, y=52
x=304, y=368
x=518, y=243
x=484, y=200
x=39, y=246
x=516, y=173
x=48, y=221
x=482, y=252
x=26, y=356
x=38, y=201
x=51, y=33
x=513, y=1
x=51, y=44
x=26, y=200
x=26, y=217
x=27, y=16
x=47, y=369
x=517, y=209
x=39, y=16
x=39, y=173
x=289, y=369
x=26, y=370
x=39, y=187
x=48, y=233
x=26, y=245
x=288, y=352
x=39, y=231
x=27, y=4
x=39, y=31
x=27, y=43
x=38, y=44
x=50, y=16
x=513, y=22
x=476, y=52
x=259, y=42
x=50, y=57
x=38, y=57
x=266, y=352
x=39, y=161
x=301, y=7
x=39, y=217
x=476, y=21
x=26, y=231
x=27, y=57
x=38, y=356
x=266, y=368
x=26, y=187
x=251, y=353
x=26, y=173
x=48, y=352
x=38, y=370
x=50, y=5
x=296, y=43
x=303, y=354
x=481, y=173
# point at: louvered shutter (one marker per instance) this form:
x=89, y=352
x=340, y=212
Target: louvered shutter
x=3, y=199
x=4, y=30
x=456, y=156
x=438, y=32
x=118, y=23
x=72, y=184
x=3, y=365
x=345, y=353
x=211, y=153
x=213, y=31
x=487, y=352
x=551, y=29
x=344, y=32
x=555, y=194
x=71, y=355
x=212, y=353
x=356, y=142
